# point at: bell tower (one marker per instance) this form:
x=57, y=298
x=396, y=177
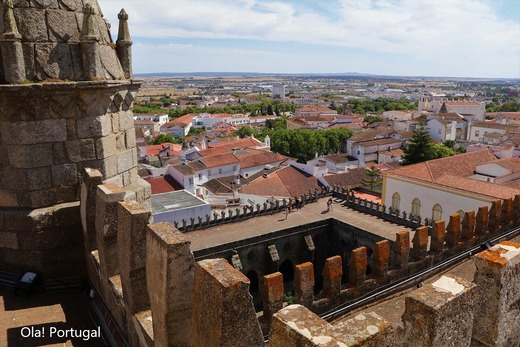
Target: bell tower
x=66, y=98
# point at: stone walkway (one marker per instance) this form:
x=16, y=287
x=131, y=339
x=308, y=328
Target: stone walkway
x=43, y=312
x=312, y=212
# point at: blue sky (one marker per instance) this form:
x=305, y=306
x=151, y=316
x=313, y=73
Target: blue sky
x=461, y=38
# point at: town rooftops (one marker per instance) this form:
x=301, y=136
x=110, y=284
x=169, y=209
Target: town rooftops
x=459, y=172
x=241, y=143
x=219, y=160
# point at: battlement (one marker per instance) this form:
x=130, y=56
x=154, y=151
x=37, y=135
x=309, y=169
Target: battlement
x=160, y=295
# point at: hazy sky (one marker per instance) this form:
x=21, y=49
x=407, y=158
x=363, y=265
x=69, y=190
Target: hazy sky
x=465, y=38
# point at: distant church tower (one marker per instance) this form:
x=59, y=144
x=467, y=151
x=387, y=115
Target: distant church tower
x=66, y=98
x=423, y=103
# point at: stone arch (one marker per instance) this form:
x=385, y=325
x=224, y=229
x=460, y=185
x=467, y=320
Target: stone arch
x=437, y=212
x=396, y=201
x=416, y=207
x=287, y=270
x=254, y=289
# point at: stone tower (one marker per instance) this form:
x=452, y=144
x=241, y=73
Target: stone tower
x=66, y=98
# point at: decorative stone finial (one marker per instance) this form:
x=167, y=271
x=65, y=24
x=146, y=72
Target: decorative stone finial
x=9, y=23
x=124, y=44
x=89, y=32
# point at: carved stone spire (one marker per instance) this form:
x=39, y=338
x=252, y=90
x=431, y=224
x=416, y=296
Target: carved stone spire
x=124, y=44
x=11, y=43
x=89, y=44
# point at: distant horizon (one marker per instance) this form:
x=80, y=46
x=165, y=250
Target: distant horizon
x=466, y=38
x=327, y=74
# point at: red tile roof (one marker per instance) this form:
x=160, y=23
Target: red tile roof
x=242, y=143
x=286, y=182
x=219, y=160
x=163, y=184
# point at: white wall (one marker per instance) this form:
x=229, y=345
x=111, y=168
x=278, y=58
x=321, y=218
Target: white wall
x=450, y=201
x=185, y=213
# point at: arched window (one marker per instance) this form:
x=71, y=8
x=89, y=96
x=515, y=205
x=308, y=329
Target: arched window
x=416, y=207
x=437, y=212
x=396, y=201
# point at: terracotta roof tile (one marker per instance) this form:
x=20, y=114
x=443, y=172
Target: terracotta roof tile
x=219, y=160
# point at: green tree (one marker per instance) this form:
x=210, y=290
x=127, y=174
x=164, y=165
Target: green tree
x=162, y=138
x=244, y=131
x=420, y=148
x=372, y=178
x=441, y=150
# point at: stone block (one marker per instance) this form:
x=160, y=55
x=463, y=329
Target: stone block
x=107, y=204
x=94, y=126
x=8, y=240
x=401, y=249
x=358, y=263
x=8, y=199
x=170, y=277
x=498, y=297
x=36, y=179
x=304, y=284
x=367, y=329
x=44, y=4
x=120, y=141
x=30, y=156
x=438, y=236
x=453, y=231
x=126, y=120
x=70, y=5
x=494, y=217
x=295, y=325
x=31, y=24
x=59, y=154
x=506, y=214
x=106, y=146
x=107, y=167
x=91, y=180
x=420, y=243
x=53, y=61
x=223, y=311
x=516, y=210
x=381, y=258
x=125, y=161
x=115, y=122
x=468, y=226
x=272, y=293
x=439, y=314
x=131, y=243
x=482, y=221
x=130, y=138
x=332, y=275
x=80, y=150
x=62, y=26
x=37, y=132
x=64, y=175
x=29, y=59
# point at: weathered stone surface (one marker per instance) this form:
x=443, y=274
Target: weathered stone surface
x=494, y=217
x=468, y=226
x=295, y=325
x=126, y=161
x=30, y=156
x=94, y=126
x=29, y=58
x=438, y=236
x=170, y=278
x=332, y=275
x=80, y=150
x=71, y=5
x=223, y=311
x=31, y=24
x=272, y=293
x=366, y=329
x=304, y=284
x=64, y=175
x=126, y=121
x=401, y=249
x=43, y=4
x=61, y=25
x=130, y=138
x=42, y=131
x=439, y=314
x=106, y=146
x=131, y=235
x=357, y=266
x=53, y=61
x=381, y=258
x=498, y=298
x=8, y=240
x=482, y=220
x=420, y=243
x=453, y=230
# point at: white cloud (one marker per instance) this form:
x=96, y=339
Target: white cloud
x=435, y=31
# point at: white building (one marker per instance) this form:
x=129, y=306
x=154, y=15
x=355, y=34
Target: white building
x=178, y=205
x=207, y=120
x=437, y=188
x=278, y=91
x=160, y=119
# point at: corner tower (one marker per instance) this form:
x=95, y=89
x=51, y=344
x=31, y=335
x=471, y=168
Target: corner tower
x=66, y=98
